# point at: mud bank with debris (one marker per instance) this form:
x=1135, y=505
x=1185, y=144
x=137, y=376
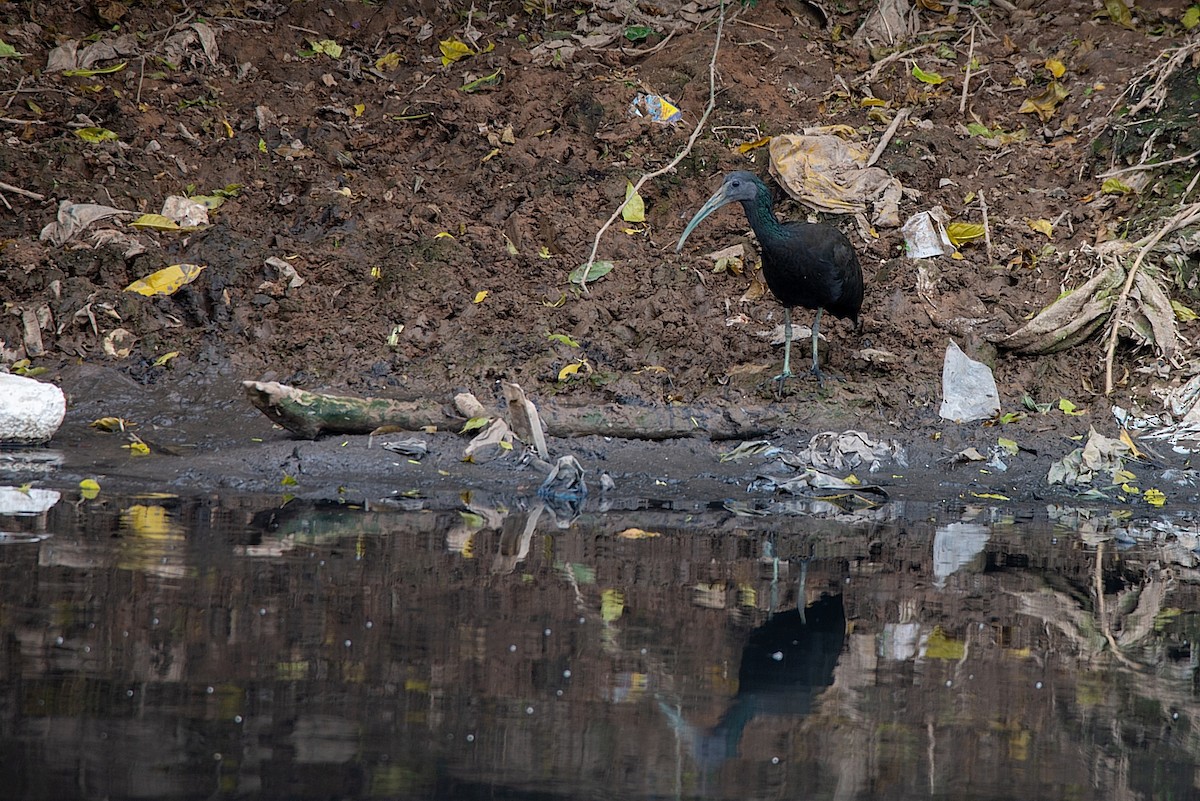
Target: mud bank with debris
x=396, y=201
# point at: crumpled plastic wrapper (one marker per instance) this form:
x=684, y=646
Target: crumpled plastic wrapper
x=830, y=174
x=968, y=388
x=848, y=450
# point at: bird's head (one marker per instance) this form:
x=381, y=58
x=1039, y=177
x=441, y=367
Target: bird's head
x=737, y=187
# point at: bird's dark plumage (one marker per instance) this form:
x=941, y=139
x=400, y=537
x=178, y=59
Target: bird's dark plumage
x=805, y=264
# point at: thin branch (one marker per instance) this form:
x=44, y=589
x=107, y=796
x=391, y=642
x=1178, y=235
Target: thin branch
x=873, y=73
x=19, y=191
x=962, y=102
x=900, y=117
x=987, y=231
x=1186, y=216
x=1146, y=166
x=712, y=102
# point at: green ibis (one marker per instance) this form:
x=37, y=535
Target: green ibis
x=805, y=264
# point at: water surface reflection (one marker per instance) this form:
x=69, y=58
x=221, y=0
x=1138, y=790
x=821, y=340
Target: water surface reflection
x=163, y=647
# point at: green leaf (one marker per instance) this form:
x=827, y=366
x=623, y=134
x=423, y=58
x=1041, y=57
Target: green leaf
x=637, y=33
x=8, y=51
x=328, y=47
x=563, y=339
x=1183, y=314
x=88, y=73
x=1191, y=17
x=1010, y=445
x=1119, y=13
x=485, y=82
x=1069, y=408
x=599, y=269
x=474, y=424
x=931, y=78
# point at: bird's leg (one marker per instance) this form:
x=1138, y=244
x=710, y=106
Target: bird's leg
x=816, y=370
x=787, y=346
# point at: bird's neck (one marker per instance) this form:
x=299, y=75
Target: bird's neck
x=761, y=215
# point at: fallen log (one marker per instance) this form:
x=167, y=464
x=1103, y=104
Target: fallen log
x=311, y=414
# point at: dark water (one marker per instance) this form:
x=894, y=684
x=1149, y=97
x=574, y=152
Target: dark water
x=230, y=647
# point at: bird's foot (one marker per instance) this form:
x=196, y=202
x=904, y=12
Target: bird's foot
x=784, y=376
x=820, y=376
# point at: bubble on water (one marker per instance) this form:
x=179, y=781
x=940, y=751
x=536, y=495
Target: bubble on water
x=545, y=632
x=217, y=757
x=237, y=718
x=777, y=656
x=582, y=620
x=369, y=624
x=528, y=710
x=512, y=649
x=208, y=690
x=1174, y=716
x=470, y=738
x=567, y=673
x=87, y=649
x=262, y=611
x=154, y=622
x=643, y=652
x=1037, y=685
x=347, y=643
x=124, y=633
x=129, y=693
x=58, y=640
x=949, y=683
x=91, y=625
x=774, y=760
x=558, y=693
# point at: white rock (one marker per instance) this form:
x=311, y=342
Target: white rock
x=30, y=411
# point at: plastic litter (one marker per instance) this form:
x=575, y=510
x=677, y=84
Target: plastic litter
x=925, y=234
x=657, y=108
x=968, y=388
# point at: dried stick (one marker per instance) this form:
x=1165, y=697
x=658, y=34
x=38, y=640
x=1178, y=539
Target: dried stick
x=1147, y=166
x=873, y=73
x=987, y=231
x=962, y=102
x=712, y=102
x=19, y=191
x=900, y=117
x=1185, y=217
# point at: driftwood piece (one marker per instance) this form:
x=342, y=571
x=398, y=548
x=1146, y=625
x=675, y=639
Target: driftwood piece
x=310, y=414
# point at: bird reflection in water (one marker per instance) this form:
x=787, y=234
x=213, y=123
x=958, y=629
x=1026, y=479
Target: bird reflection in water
x=786, y=663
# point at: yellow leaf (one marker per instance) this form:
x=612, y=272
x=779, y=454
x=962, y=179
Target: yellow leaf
x=328, y=47
x=746, y=147
x=156, y=221
x=288, y=481
x=612, y=605
x=544, y=253
x=635, y=207
x=939, y=646
x=390, y=61
x=161, y=361
x=89, y=488
x=443, y=235
x=481, y=295
x=569, y=370
x=853, y=479
x=359, y=109
x=1128, y=440
x=1182, y=313
x=870, y=102
x=1009, y=445
x=475, y=423
x=509, y=246
x=960, y=232
x=931, y=78
x=228, y=128
x=637, y=534
x=1154, y=497
x=453, y=50
x=1119, y=13
x=1068, y=408
x=138, y=448
x=991, y=496
x=109, y=424
x=1044, y=104
x=166, y=281
x=1055, y=67
x=1115, y=186
x=1042, y=227
x=95, y=135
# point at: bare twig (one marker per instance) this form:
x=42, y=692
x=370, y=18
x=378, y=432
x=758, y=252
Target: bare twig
x=19, y=191
x=900, y=117
x=1147, y=166
x=987, y=230
x=712, y=102
x=873, y=73
x=962, y=101
x=14, y=121
x=1186, y=216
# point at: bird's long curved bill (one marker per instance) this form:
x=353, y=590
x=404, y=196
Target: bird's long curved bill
x=715, y=202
